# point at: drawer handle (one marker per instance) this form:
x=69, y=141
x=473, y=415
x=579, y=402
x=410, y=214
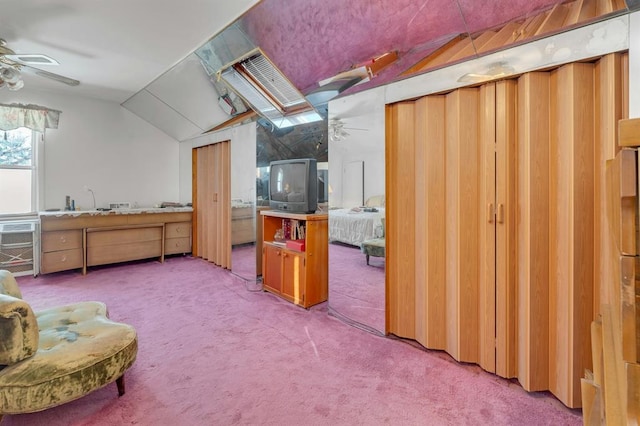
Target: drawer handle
x=63, y=258
x=63, y=239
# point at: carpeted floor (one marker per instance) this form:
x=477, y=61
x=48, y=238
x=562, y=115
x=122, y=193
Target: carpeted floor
x=356, y=290
x=213, y=353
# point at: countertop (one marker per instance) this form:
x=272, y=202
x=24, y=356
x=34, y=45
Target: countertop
x=139, y=210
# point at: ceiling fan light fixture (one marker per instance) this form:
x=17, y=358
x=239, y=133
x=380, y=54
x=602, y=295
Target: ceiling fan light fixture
x=10, y=75
x=15, y=86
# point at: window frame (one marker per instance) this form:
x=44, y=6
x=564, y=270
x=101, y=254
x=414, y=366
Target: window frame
x=37, y=175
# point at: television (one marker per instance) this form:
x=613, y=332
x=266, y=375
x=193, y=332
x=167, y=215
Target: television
x=293, y=185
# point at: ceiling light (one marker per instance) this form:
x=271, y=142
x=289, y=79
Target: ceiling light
x=10, y=75
x=15, y=86
x=495, y=71
x=11, y=78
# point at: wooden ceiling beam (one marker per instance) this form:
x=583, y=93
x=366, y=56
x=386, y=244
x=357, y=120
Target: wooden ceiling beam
x=233, y=121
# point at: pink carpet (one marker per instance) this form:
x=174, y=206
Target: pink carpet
x=213, y=353
x=356, y=290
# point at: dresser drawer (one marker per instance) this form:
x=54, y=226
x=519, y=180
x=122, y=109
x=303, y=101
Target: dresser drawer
x=122, y=236
x=61, y=240
x=177, y=245
x=177, y=230
x=61, y=260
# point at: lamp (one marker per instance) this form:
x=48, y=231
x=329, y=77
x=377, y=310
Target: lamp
x=86, y=188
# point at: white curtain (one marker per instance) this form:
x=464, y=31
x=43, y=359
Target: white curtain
x=33, y=117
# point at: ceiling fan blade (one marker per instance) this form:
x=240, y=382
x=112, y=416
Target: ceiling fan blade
x=50, y=75
x=31, y=58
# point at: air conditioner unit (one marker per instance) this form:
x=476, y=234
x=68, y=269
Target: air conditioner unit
x=19, y=247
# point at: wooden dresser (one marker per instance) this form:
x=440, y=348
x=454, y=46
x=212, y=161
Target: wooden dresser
x=74, y=240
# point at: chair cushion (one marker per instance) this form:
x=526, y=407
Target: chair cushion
x=374, y=247
x=9, y=285
x=19, y=330
x=80, y=350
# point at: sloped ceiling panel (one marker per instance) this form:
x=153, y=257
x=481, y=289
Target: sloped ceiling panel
x=182, y=102
x=312, y=41
x=159, y=114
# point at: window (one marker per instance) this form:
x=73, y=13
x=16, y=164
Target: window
x=18, y=171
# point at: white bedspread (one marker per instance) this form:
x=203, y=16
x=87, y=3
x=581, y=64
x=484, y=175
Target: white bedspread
x=351, y=227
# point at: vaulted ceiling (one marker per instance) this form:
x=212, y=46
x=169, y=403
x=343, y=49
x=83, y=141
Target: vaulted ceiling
x=313, y=40
x=122, y=49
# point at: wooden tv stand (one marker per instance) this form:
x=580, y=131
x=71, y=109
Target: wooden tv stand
x=300, y=277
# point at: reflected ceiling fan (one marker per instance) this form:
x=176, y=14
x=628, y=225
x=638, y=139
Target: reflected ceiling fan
x=12, y=64
x=338, y=130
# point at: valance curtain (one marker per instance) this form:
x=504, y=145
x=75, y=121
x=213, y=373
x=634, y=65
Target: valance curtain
x=33, y=117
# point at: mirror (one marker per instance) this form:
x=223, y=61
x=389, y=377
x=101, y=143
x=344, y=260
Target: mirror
x=356, y=181
x=244, y=256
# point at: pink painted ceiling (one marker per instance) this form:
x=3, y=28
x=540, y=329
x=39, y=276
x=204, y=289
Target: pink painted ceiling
x=310, y=40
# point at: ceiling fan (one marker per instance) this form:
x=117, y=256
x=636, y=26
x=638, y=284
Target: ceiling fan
x=338, y=130
x=11, y=65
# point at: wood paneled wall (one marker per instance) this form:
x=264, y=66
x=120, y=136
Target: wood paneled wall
x=494, y=220
x=212, y=203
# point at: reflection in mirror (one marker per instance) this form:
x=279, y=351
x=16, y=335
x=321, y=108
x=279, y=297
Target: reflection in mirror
x=244, y=256
x=357, y=211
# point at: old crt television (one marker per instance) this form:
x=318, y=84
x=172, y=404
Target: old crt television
x=293, y=185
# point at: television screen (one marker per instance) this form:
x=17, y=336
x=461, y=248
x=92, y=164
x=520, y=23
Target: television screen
x=293, y=185
x=288, y=182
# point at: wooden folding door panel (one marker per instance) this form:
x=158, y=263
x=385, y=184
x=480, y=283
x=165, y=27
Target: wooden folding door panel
x=400, y=220
x=430, y=221
x=506, y=229
x=488, y=203
x=497, y=290
x=212, y=203
x=462, y=163
x=572, y=207
x=533, y=231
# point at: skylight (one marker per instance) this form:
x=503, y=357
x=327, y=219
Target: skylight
x=256, y=79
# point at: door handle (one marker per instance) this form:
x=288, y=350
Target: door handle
x=490, y=212
x=500, y=215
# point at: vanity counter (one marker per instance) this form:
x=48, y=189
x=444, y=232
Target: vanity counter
x=78, y=239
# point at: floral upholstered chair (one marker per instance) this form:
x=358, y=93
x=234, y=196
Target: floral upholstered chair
x=54, y=356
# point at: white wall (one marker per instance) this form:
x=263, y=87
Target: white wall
x=105, y=147
x=243, y=160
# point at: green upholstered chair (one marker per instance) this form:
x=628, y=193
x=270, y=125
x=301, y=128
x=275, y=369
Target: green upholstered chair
x=57, y=355
x=375, y=246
